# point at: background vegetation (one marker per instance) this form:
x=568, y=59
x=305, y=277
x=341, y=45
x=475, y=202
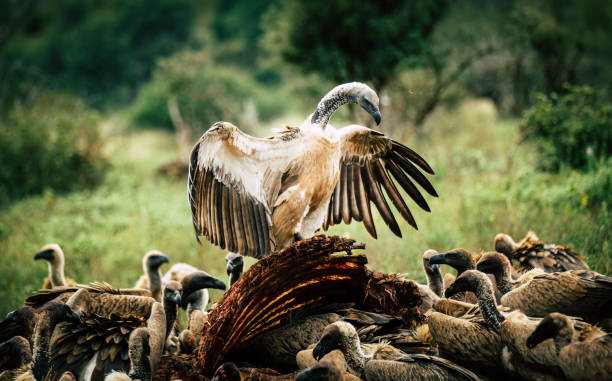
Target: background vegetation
x=507, y=100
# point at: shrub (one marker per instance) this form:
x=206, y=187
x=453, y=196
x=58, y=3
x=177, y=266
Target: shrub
x=206, y=94
x=52, y=143
x=574, y=128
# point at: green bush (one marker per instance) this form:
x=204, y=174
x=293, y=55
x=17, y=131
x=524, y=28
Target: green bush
x=574, y=128
x=51, y=144
x=101, y=49
x=206, y=94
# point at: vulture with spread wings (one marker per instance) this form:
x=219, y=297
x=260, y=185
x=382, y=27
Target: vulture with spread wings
x=255, y=195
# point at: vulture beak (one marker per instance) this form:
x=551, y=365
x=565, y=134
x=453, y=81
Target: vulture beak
x=439, y=259
x=45, y=254
x=176, y=297
x=450, y=291
x=376, y=115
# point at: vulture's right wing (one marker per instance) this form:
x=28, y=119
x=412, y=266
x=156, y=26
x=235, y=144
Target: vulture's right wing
x=234, y=179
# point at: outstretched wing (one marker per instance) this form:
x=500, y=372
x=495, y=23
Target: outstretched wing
x=369, y=162
x=234, y=179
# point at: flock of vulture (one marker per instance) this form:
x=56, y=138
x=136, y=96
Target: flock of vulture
x=527, y=310
x=524, y=311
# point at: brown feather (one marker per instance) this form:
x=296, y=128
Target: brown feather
x=353, y=184
x=376, y=196
x=392, y=192
x=409, y=168
x=412, y=156
x=407, y=184
x=345, y=195
x=366, y=213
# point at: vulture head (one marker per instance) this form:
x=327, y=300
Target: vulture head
x=198, y=280
x=51, y=253
x=153, y=260
x=338, y=335
x=427, y=265
x=172, y=292
x=470, y=280
x=505, y=244
x=227, y=372
x=234, y=267
x=493, y=263
x=460, y=259
x=353, y=92
x=367, y=99
x=551, y=326
x=323, y=371
x=57, y=311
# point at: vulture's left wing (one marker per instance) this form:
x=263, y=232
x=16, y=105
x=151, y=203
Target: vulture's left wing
x=369, y=162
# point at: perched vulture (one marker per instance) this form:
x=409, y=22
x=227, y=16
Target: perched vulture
x=255, y=195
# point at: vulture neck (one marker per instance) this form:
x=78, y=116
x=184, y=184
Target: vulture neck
x=155, y=282
x=486, y=302
x=56, y=270
x=330, y=103
x=139, y=368
x=40, y=342
x=355, y=358
x=234, y=276
x=564, y=336
x=171, y=310
x=503, y=279
x=434, y=281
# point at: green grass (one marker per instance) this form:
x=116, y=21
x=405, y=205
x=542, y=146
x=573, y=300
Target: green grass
x=105, y=232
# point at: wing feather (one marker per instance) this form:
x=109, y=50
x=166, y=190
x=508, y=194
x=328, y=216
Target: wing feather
x=377, y=198
x=370, y=161
x=346, y=213
x=232, y=172
x=392, y=192
x=353, y=184
x=366, y=213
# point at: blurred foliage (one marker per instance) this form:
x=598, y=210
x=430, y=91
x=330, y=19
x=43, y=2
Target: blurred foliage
x=50, y=143
x=237, y=27
x=352, y=40
x=574, y=128
x=100, y=49
x=207, y=94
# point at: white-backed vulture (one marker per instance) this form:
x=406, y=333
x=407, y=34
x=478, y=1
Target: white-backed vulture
x=461, y=260
x=343, y=336
x=432, y=272
x=14, y=354
x=588, y=359
x=49, y=316
x=513, y=329
x=98, y=345
x=139, y=351
x=195, y=294
x=152, y=278
x=327, y=370
x=474, y=337
x=234, y=267
x=20, y=322
x=581, y=293
x=500, y=267
x=53, y=254
x=531, y=253
x=189, y=338
x=256, y=195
